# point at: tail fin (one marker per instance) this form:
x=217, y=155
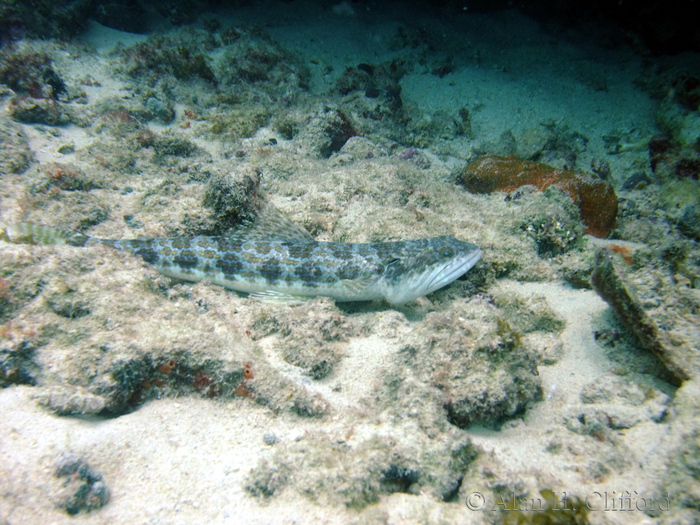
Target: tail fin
x=25, y=233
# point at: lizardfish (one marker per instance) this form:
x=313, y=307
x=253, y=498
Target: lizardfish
x=280, y=261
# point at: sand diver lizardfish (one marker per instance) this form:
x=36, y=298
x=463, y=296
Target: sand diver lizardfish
x=277, y=260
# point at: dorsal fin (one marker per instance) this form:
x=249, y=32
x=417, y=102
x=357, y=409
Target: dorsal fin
x=272, y=224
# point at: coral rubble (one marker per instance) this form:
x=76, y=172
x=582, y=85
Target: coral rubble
x=82, y=488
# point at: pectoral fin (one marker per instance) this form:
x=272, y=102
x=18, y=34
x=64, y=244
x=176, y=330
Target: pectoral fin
x=271, y=296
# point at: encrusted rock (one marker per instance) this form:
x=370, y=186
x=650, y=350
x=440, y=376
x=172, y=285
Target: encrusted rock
x=15, y=154
x=690, y=221
x=66, y=400
x=685, y=466
x=232, y=198
x=82, y=487
x=662, y=315
x=313, y=337
x=327, y=131
x=356, y=472
x=472, y=365
x=30, y=110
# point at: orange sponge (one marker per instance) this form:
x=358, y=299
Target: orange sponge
x=595, y=198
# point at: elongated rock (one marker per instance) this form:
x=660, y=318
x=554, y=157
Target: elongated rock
x=654, y=320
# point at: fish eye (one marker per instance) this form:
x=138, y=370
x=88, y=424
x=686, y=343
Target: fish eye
x=447, y=253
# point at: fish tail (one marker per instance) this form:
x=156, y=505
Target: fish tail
x=26, y=233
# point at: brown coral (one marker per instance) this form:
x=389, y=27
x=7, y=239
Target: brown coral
x=595, y=198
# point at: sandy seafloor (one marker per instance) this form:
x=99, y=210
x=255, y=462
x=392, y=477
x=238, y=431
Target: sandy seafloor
x=348, y=420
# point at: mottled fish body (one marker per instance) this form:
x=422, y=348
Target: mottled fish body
x=292, y=268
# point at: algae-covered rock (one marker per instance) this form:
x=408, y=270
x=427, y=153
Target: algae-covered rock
x=55, y=19
x=410, y=509
x=690, y=221
x=680, y=123
x=684, y=472
x=612, y=403
x=660, y=311
x=17, y=361
x=326, y=132
x=181, y=55
x=82, y=488
x=28, y=110
x=67, y=399
x=232, y=198
x=471, y=365
x=680, y=466
x=551, y=509
x=358, y=468
x=102, y=334
x=312, y=336
x=15, y=154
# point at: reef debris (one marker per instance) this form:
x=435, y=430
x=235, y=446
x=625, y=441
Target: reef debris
x=15, y=154
x=356, y=469
x=28, y=110
x=670, y=159
x=474, y=365
x=595, y=198
x=82, y=488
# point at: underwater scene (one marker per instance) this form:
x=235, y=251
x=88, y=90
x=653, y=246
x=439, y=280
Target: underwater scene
x=349, y=262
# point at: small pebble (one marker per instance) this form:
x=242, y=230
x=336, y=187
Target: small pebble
x=269, y=438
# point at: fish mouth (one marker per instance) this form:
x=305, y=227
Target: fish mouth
x=453, y=270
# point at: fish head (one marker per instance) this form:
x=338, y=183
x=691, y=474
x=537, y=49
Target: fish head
x=426, y=265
